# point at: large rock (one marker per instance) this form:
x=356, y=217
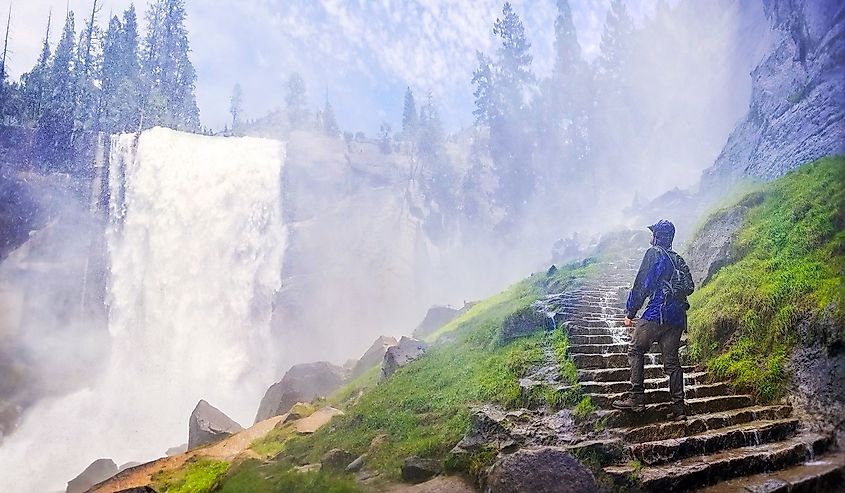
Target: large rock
x=99, y=470
x=541, y=470
x=208, y=424
x=374, y=355
x=436, y=317
x=712, y=248
x=336, y=460
x=522, y=323
x=317, y=420
x=417, y=469
x=797, y=111
x=401, y=354
x=302, y=383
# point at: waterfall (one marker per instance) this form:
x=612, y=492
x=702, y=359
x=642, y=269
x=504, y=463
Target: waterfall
x=196, y=240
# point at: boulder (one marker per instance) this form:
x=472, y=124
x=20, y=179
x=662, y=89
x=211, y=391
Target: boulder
x=401, y=354
x=417, y=469
x=177, y=450
x=99, y=470
x=374, y=355
x=356, y=464
x=540, y=470
x=138, y=489
x=336, y=460
x=521, y=323
x=317, y=420
x=208, y=424
x=712, y=247
x=435, y=318
x=301, y=383
x=298, y=411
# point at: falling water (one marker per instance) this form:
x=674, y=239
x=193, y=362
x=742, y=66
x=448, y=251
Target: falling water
x=196, y=242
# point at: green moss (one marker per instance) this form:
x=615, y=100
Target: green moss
x=743, y=323
x=198, y=475
x=252, y=476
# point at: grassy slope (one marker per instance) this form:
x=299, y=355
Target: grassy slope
x=743, y=323
x=424, y=409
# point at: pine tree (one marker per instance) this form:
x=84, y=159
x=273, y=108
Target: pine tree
x=410, y=120
x=511, y=123
x=430, y=135
x=235, y=106
x=330, y=126
x=36, y=82
x=295, y=100
x=56, y=125
x=85, y=70
x=169, y=75
x=615, y=39
x=482, y=78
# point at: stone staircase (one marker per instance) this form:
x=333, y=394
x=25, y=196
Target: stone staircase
x=726, y=435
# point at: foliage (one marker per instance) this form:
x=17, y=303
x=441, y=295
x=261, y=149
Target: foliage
x=252, y=476
x=584, y=408
x=198, y=476
x=744, y=322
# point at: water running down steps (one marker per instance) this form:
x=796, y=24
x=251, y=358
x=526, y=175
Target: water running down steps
x=726, y=435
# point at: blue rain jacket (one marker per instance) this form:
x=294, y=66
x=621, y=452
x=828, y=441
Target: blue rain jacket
x=656, y=267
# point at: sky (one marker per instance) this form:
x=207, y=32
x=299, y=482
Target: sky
x=362, y=54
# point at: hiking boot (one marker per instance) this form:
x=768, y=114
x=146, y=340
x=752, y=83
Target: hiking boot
x=634, y=402
x=677, y=413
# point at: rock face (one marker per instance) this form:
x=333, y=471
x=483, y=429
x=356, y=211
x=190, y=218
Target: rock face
x=436, y=317
x=336, y=460
x=99, y=470
x=522, y=323
x=797, y=111
x=712, y=247
x=302, y=383
x=416, y=469
x=541, y=470
x=209, y=424
x=374, y=355
x=401, y=354
x=317, y=420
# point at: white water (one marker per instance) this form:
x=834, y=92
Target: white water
x=196, y=241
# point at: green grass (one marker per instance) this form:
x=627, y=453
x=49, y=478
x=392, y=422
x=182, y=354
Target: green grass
x=584, y=408
x=744, y=322
x=197, y=476
x=252, y=476
x=424, y=408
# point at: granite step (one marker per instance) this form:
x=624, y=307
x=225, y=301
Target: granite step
x=826, y=474
x=658, y=395
x=703, y=470
x=693, y=378
x=702, y=423
x=754, y=433
x=655, y=413
x=623, y=374
x=609, y=361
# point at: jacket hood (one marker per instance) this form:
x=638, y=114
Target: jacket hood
x=664, y=233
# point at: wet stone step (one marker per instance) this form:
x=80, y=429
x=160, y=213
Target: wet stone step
x=655, y=413
x=755, y=433
x=694, y=378
x=655, y=396
x=598, y=348
x=617, y=360
x=704, y=470
x=826, y=474
x=623, y=374
x=603, y=339
x=702, y=423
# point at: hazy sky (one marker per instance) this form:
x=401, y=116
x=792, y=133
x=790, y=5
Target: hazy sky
x=363, y=52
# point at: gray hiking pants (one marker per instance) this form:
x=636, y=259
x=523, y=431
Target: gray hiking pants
x=645, y=333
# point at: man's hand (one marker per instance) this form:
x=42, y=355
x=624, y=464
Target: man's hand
x=627, y=321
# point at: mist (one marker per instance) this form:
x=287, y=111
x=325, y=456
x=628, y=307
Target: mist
x=344, y=237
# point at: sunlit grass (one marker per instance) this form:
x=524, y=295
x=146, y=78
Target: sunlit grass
x=744, y=322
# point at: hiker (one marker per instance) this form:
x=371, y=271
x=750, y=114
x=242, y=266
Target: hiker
x=665, y=280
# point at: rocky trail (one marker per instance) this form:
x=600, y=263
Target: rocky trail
x=726, y=435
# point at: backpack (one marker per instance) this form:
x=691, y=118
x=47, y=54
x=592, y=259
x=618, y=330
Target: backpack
x=680, y=284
